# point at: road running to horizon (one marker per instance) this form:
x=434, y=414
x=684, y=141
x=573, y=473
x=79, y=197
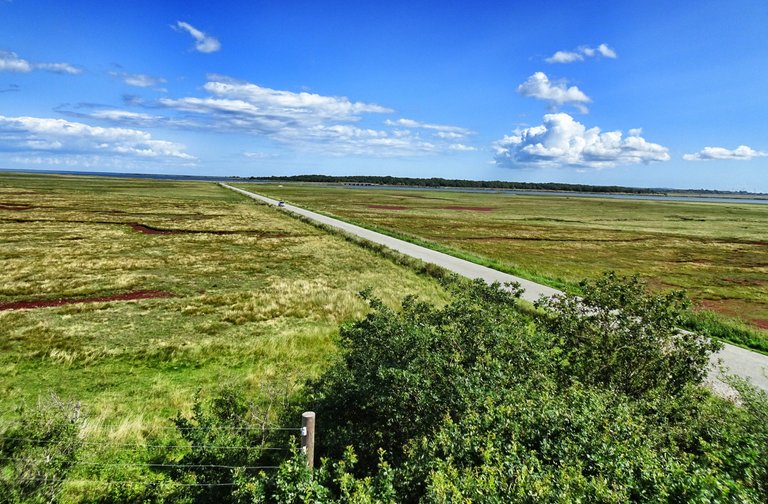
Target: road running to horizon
x=737, y=360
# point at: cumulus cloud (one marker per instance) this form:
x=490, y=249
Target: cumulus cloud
x=308, y=121
x=581, y=53
x=11, y=62
x=26, y=134
x=203, y=43
x=540, y=87
x=239, y=105
x=562, y=141
x=740, y=153
x=301, y=120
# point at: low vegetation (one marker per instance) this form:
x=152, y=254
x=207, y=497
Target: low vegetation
x=250, y=297
x=714, y=251
x=475, y=401
x=451, y=394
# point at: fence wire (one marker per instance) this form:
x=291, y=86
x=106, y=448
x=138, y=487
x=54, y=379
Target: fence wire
x=138, y=446
x=40, y=461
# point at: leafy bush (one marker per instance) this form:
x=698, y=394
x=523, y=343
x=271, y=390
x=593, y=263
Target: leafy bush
x=578, y=444
x=225, y=432
x=617, y=335
x=37, y=451
x=332, y=482
x=597, y=400
x=400, y=372
x=594, y=399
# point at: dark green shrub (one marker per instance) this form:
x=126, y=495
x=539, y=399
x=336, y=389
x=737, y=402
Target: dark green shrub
x=400, y=372
x=227, y=431
x=38, y=450
x=572, y=445
x=332, y=482
x=619, y=336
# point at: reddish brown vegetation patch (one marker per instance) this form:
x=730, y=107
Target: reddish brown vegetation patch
x=141, y=228
x=388, y=207
x=47, y=303
x=15, y=206
x=748, y=282
x=471, y=208
x=144, y=229
x=731, y=308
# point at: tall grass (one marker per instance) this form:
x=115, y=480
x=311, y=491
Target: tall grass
x=256, y=296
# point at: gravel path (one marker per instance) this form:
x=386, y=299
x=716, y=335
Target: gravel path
x=739, y=361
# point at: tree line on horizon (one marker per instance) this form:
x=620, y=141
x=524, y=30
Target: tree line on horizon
x=443, y=182
x=481, y=184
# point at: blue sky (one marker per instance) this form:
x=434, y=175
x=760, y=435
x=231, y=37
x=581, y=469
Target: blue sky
x=653, y=94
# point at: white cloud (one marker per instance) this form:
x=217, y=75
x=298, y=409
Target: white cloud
x=450, y=135
x=562, y=141
x=740, y=153
x=290, y=103
x=564, y=57
x=258, y=155
x=10, y=62
x=462, y=148
x=235, y=105
x=606, y=51
x=138, y=80
x=203, y=43
x=443, y=130
x=120, y=115
x=59, y=68
x=581, y=53
x=303, y=120
x=43, y=134
x=540, y=87
x=342, y=140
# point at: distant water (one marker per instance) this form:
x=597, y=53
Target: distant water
x=702, y=199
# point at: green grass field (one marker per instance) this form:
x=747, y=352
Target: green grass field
x=717, y=252
x=256, y=296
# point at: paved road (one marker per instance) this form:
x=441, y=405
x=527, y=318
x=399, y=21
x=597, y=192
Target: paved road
x=739, y=361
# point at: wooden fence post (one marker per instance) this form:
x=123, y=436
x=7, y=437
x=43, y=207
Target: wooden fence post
x=308, y=437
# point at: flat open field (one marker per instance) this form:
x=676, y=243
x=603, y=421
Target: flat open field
x=717, y=252
x=212, y=289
